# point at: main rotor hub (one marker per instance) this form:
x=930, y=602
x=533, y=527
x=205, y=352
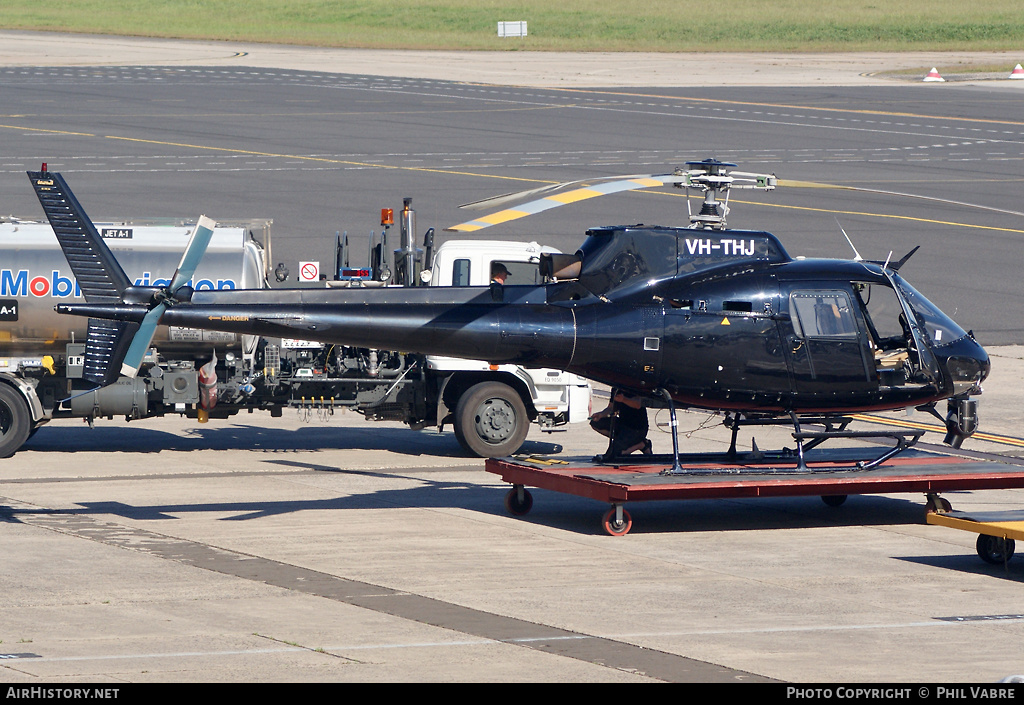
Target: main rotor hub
x=712, y=177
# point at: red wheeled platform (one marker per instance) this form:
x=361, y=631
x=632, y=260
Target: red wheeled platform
x=831, y=478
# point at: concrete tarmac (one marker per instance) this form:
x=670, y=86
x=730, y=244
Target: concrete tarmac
x=312, y=548
x=331, y=548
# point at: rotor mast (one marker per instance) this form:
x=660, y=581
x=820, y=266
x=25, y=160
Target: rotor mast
x=712, y=177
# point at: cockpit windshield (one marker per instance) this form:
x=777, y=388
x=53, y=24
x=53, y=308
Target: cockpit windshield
x=941, y=329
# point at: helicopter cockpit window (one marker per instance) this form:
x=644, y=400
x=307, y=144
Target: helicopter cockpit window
x=822, y=314
x=884, y=315
x=939, y=327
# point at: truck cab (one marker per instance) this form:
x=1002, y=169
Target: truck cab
x=477, y=395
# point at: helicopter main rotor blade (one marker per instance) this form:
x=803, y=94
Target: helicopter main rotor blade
x=843, y=187
x=494, y=201
x=554, y=201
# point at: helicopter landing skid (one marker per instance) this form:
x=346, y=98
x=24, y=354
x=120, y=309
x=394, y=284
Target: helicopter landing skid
x=785, y=461
x=834, y=427
x=788, y=461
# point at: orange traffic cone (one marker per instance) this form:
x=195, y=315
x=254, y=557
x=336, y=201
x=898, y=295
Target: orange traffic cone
x=1018, y=72
x=933, y=75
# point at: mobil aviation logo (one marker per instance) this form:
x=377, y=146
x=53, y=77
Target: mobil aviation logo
x=21, y=282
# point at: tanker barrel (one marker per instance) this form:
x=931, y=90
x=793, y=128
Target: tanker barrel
x=35, y=273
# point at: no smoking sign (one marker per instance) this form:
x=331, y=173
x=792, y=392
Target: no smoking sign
x=309, y=271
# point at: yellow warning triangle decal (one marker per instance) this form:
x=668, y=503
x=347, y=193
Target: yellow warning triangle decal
x=725, y=321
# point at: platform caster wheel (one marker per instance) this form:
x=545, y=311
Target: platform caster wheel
x=938, y=505
x=995, y=549
x=834, y=500
x=614, y=527
x=518, y=505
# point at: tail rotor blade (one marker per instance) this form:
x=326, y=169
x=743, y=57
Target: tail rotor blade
x=194, y=252
x=140, y=343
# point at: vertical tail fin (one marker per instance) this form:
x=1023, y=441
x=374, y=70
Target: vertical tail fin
x=113, y=347
x=99, y=275
x=105, y=349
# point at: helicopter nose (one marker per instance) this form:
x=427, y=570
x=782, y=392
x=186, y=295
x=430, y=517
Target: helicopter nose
x=967, y=364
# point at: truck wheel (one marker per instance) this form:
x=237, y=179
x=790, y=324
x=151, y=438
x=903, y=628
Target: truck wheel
x=15, y=421
x=491, y=420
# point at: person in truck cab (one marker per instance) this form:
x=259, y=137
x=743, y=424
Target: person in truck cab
x=499, y=273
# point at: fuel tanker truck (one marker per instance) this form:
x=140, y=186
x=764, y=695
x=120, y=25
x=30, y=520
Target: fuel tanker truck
x=204, y=374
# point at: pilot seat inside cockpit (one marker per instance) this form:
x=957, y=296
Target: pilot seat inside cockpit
x=889, y=335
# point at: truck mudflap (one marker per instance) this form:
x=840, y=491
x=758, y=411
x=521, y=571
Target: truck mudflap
x=35, y=407
x=20, y=413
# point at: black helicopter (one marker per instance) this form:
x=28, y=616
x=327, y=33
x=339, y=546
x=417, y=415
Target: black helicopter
x=699, y=316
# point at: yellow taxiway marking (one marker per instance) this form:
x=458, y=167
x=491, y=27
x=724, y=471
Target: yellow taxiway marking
x=298, y=114
x=52, y=132
x=871, y=418
x=231, y=150
x=867, y=214
x=884, y=215
x=783, y=106
x=505, y=177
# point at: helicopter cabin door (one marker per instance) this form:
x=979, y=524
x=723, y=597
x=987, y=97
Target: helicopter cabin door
x=827, y=342
x=732, y=352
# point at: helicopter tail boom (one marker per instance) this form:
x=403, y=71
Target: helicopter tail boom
x=425, y=321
